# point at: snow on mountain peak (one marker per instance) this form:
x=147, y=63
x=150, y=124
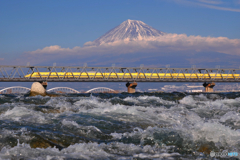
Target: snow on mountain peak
x=129, y=30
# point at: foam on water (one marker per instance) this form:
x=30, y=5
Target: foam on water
x=231, y=116
x=145, y=100
x=120, y=127
x=86, y=151
x=73, y=123
x=23, y=114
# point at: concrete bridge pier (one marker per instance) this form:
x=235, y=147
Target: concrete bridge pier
x=44, y=84
x=131, y=87
x=38, y=88
x=208, y=86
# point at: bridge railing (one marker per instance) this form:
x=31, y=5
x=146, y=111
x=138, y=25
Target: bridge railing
x=63, y=90
x=116, y=74
x=19, y=89
x=101, y=90
x=14, y=89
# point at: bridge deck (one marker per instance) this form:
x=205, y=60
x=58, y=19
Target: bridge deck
x=115, y=74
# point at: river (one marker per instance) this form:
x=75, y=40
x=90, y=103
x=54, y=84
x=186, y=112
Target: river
x=119, y=126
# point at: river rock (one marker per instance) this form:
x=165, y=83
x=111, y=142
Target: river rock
x=37, y=89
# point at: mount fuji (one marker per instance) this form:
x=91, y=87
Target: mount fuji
x=129, y=30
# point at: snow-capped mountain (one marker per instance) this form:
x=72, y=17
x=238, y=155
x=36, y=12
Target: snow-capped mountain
x=129, y=30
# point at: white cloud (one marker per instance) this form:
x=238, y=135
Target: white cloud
x=211, y=1
x=220, y=8
x=213, y=4
x=162, y=44
x=54, y=49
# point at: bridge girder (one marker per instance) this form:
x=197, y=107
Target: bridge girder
x=116, y=74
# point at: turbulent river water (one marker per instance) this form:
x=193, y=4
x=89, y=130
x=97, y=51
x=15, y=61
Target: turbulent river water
x=119, y=126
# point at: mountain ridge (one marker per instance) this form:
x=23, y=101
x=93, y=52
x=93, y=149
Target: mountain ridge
x=129, y=30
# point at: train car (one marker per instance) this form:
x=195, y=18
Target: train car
x=130, y=75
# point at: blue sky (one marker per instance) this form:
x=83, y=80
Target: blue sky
x=29, y=25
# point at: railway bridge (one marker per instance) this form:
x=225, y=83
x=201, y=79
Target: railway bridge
x=130, y=75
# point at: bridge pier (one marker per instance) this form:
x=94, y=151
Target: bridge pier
x=131, y=87
x=38, y=88
x=44, y=84
x=208, y=86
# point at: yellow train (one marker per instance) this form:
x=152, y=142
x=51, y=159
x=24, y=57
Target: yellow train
x=128, y=75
